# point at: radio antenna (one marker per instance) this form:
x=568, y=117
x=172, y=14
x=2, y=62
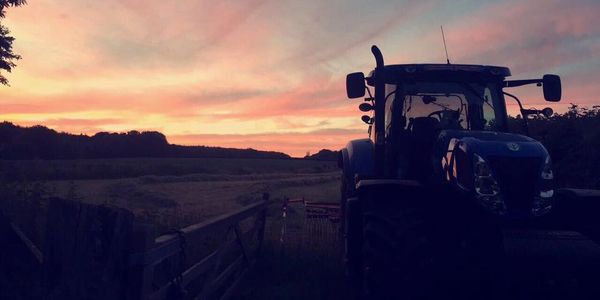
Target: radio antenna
x=445, y=49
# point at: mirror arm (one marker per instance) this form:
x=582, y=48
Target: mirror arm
x=513, y=83
x=369, y=92
x=516, y=99
x=524, y=112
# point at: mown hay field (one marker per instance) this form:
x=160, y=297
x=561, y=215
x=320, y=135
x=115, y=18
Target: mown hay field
x=169, y=193
x=78, y=169
x=173, y=193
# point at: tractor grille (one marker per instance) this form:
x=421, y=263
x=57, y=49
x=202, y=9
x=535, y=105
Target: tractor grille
x=518, y=178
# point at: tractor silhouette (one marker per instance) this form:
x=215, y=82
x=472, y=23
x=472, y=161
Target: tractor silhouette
x=427, y=197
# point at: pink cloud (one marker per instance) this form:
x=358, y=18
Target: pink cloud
x=529, y=36
x=280, y=61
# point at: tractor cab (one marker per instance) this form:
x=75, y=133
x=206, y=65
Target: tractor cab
x=446, y=124
x=422, y=101
x=426, y=199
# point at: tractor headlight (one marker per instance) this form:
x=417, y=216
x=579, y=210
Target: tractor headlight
x=547, y=169
x=485, y=184
x=487, y=190
x=542, y=203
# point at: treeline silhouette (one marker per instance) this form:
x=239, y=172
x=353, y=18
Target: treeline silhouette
x=572, y=138
x=323, y=155
x=40, y=142
x=573, y=141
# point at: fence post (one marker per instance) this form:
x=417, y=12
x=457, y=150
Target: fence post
x=139, y=275
x=263, y=223
x=85, y=253
x=20, y=263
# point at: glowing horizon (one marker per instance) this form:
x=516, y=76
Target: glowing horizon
x=269, y=75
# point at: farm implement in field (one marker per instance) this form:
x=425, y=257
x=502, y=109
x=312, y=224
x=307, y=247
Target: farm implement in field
x=326, y=213
x=315, y=210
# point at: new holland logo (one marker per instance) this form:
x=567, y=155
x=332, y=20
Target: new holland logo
x=513, y=146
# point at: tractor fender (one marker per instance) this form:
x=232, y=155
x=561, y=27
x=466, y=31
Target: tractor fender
x=357, y=159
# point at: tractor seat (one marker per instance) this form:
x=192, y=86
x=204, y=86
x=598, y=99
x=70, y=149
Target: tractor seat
x=424, y=128
x=424, y=131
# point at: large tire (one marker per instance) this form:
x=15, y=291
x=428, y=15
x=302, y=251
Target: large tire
x=398, y=254
x=351, y=237
x=344, y=195
x=411, y=253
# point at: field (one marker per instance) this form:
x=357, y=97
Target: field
x=304, y=263
x=29, y=170
x=173, y=193
x=169, y=193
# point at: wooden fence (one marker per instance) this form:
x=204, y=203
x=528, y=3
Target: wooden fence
x=218, y=279
x=100, y=252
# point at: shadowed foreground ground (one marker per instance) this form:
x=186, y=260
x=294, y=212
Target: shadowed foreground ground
x=306, y=265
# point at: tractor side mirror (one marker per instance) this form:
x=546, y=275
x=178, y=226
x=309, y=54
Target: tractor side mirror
x=552, y=88
x=355, y=85
x=547, y=112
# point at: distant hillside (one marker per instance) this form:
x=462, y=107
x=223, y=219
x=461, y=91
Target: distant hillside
x=39, y=142
x=324, y=154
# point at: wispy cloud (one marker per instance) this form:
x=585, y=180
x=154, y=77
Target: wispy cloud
x=265, y=73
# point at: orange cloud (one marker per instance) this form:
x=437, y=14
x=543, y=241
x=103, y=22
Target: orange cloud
x=265, y=73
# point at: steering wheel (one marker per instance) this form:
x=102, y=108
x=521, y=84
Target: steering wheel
x=448, y=116
x=437, y=113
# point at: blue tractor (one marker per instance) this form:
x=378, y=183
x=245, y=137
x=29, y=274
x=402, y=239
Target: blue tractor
x=426, y=197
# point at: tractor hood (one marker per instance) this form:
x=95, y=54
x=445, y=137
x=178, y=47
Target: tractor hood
x=514, y=167
x=492, y=144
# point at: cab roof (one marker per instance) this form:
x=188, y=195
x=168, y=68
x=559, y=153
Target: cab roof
x=415, y=68
x=456, y=71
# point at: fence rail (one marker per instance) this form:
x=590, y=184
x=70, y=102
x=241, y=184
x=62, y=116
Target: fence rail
x=220, y=271
x=100, y=252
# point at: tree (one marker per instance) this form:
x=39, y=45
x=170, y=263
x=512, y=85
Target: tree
x=7, y=57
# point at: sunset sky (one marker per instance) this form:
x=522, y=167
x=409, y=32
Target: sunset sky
x=269, y=74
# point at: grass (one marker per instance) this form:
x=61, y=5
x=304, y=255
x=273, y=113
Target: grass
x=78, y=169
x=173, y=193
x=177, y=201
x=307, y=265
x=168, y=192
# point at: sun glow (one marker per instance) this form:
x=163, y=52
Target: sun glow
x=231, y=74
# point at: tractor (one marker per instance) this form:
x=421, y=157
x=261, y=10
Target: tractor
x=427, y=198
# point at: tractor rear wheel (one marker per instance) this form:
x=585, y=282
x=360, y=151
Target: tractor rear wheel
x=351, y=236
x=410, y=252
x=398, y=256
